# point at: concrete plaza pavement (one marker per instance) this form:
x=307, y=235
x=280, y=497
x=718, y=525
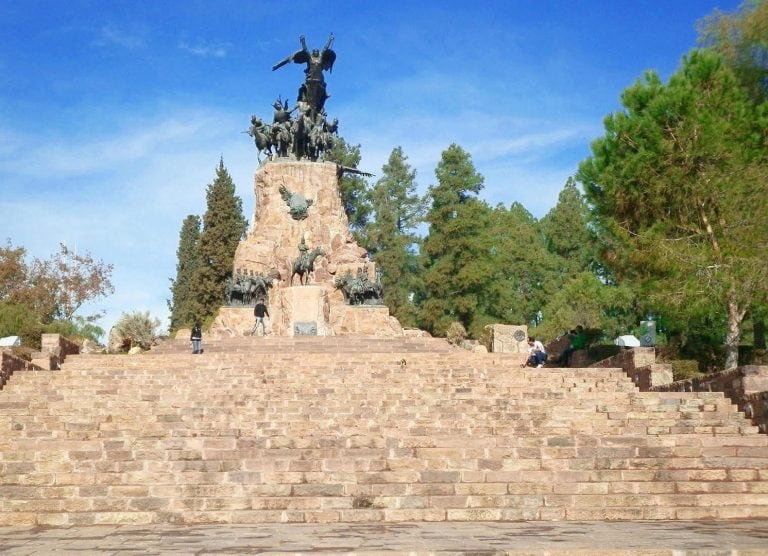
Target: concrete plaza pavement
x=734, y=538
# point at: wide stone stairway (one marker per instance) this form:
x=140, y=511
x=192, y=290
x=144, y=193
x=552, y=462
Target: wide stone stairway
x=349, y=429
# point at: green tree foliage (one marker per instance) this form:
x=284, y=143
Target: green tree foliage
x=223, y=227
x=44, y=295
x=678, y=188
x=77, y=329
x=455, y=252
x=741, y=39
x=587, y=301
x=139, y=327
x=182, y=304
x=523, y=273
x=17, y=319
x=54, y=288
x=390, y=237
x=566, y=230
x=352, y=188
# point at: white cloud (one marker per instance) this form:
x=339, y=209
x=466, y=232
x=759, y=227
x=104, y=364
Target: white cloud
x=112, y=35
x=126, y=196
x=206, y=50
x=60, y=157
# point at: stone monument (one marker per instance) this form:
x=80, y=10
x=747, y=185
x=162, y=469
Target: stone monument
x=299, y=220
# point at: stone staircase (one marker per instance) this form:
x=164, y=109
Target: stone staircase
x=310, y=344
x=363, y=430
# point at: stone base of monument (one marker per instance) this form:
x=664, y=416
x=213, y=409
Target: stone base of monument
x=364, y=320
x=271, y=248
x=231, y=321
x=300, y=311
x=306, y=311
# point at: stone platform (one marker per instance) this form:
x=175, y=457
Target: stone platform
x=683, y=538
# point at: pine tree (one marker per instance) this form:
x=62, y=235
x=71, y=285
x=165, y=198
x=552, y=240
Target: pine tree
x=525, y=273
x=677, y=186
x=566, y=230
x=223, y=227
x=455, y=252
x=390, y=237
x=741, y=38
x=182, y=304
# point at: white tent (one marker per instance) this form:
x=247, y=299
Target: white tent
x=627, y=341
x=10, y=341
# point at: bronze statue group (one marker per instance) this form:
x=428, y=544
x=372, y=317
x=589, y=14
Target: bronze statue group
x=308, y=135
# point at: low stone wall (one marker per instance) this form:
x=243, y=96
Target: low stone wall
x=640, y=365
x=9, y=364
x=746, y=386
x=54, y=350
x=587, y=357
x=755, y=407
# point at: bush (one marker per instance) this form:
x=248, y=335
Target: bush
x=18, y=320
x=456, y=333
x=683, y=369
x=139, y=328
x=78, y=330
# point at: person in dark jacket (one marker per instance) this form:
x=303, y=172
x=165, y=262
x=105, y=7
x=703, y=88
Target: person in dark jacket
x=260, y=311
x=197, y=338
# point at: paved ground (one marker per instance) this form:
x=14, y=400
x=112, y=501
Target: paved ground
x=734, y=538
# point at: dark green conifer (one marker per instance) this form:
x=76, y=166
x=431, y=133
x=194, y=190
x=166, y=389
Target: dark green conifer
x=454, y=253
x=223, y=227
x=181, y=304
x=390, y=237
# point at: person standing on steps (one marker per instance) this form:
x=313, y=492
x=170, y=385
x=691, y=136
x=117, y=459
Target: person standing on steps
x=260, y=311
x=197, y=338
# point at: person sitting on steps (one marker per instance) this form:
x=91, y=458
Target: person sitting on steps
x=537, y=355
x=578, y=341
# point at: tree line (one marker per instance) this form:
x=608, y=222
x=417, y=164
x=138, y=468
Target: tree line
x=666, y=219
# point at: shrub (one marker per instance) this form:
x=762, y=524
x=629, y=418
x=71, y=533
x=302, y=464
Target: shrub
x=138, y=327
x=456, y=333
x=683, y=369
x=17, y=320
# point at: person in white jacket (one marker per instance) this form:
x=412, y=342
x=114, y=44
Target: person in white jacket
x=537, y=355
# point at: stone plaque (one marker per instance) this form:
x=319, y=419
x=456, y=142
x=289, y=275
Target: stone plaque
x=305, y=328
x=508, y=338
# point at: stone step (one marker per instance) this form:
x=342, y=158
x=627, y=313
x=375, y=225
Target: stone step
x=318, y=435
x=143, y=511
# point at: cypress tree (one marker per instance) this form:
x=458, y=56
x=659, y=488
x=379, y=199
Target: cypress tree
x=223, y=227
x=182, y=303
x=566, y=230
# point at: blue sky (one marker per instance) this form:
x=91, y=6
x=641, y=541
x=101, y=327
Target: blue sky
x=113, y=115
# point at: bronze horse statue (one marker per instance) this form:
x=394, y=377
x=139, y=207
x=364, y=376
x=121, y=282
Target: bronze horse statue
x=306, y=264
x=262, y=136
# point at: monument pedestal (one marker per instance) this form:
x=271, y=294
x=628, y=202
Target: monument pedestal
x=272, y=246
x=232, y=321
x=364, y=321
x=300, y=311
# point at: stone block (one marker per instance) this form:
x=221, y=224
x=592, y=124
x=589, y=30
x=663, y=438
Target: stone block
x=507, y=338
